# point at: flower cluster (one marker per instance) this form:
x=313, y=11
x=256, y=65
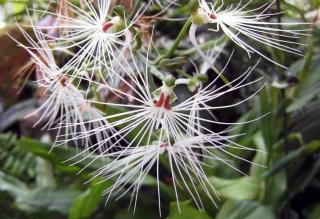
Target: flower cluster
x=111, y=94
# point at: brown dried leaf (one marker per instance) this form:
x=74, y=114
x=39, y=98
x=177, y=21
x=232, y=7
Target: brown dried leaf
x=12, y=60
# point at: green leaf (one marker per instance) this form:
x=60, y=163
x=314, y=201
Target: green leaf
x=235, y=209
x=16, y=160
x=38, y=199
x=58, y=200
x=270, y=125
x=18, y=7
x=244, y=188
x=304, y=98
x=292, y=156
x=309, y=81
x=187, y=211
x=11, y=185
x=45, y=176
x=307, y=121
x=278, y=186
x=59, y=155
x=147, y=213
x=260, y=157
x=88, y=202
x=315, y=212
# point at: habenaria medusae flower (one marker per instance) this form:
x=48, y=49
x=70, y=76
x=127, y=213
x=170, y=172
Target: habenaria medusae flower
x=98, y=38
x=161, y=124
x=50, y=79
x=147, y=111
x=64, y=108
x=184, y=158
x=237, y=22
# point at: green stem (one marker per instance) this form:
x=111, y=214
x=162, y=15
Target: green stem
x=153, y=70
x=175, y=45
x=297, y=9
x=205, y=46
x=183, y=73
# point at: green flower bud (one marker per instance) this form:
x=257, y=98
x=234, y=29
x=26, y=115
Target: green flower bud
x=193, y=85
x=118, y=24
x=193, y=6
x=170, y=81
x=198, y=16
x=172, y=64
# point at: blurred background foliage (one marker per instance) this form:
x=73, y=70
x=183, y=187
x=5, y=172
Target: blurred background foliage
x=36, y=184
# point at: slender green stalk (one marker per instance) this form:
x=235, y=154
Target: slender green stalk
x=176, y=44
x=183, y=73
x=297, y=9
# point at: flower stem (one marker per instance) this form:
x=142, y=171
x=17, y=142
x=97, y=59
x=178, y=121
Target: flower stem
x=175, y=45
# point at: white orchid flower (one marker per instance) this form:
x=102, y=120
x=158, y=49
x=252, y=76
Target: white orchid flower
x=238, y=22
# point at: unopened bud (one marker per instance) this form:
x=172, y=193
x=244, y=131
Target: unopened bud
x=170, y=81
x=198, y=15
x=172, y=64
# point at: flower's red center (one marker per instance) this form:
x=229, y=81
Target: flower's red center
x=213, y=16
x=164, y=102
x=63, y=81
x=106, y=26
x=164, y=145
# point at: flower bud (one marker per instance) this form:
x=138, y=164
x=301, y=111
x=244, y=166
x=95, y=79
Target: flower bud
x=170, y=81
x=196, y=81
x=193, y=6
x=118, y=24
x=198, y=15
x=172, y=64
